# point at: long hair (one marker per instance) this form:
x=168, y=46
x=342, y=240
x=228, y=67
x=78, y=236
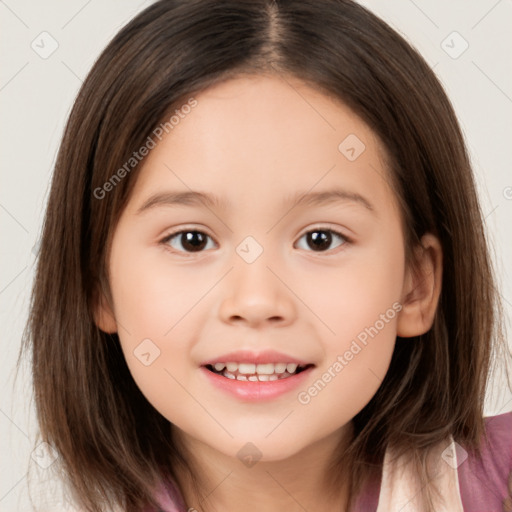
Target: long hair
x=114, y=446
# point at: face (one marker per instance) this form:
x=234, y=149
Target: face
x=318, y=280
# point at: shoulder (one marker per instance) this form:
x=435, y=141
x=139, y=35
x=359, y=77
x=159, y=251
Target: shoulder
x=499, y=427
x=483, y=481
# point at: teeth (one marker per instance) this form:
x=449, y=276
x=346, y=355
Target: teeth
x=259, y=369
x=265, y=369
x=291, y=367
x=257, y=372
x=246, y=368
x=255, y=378
x=280, y=367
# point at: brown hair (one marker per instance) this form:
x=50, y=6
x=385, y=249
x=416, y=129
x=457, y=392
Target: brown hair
x=114, y=446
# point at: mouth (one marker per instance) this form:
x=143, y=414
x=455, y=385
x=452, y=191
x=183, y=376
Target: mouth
x=266, y=372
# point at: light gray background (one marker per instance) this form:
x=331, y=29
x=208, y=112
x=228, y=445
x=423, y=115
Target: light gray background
x=36, y=95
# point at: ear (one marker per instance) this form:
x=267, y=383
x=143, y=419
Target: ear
x=422, y=288
x=103, y=315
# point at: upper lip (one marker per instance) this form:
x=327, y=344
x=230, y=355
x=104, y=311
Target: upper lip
x=247, y=356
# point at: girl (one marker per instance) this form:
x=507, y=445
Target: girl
x=263, y=281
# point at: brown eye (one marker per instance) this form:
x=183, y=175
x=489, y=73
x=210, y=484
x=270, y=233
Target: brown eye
x=320, y=240
x=190, y=241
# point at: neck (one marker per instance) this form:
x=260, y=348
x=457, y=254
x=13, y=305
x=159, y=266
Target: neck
x=303, y=481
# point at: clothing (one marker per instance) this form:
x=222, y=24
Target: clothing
x=467, y=484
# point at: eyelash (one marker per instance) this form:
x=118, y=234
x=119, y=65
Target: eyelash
x=165, y=241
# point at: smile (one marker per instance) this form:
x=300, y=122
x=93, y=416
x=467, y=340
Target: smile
x=248, y=382
x=256, y=372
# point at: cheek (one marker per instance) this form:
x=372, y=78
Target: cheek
x=355, y=294
x=357, y=357
x=152, y=304
x=150, y=295
x=360, y=305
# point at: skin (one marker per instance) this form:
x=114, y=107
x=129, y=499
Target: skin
x=254, y=141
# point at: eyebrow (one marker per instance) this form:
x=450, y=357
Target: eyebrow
x=196, y=198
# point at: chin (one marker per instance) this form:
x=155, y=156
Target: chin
x=250, y=448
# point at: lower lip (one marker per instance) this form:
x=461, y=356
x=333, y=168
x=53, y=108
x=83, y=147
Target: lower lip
x=255, y=391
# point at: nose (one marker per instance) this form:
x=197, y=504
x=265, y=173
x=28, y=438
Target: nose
x=256, y=295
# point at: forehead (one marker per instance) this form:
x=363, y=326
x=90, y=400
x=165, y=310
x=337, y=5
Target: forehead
x=267, y=137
